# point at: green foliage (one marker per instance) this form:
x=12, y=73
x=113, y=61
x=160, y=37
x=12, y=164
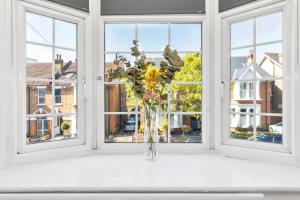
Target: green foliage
x=189, y=95
x=65, y=126
x=241, y=135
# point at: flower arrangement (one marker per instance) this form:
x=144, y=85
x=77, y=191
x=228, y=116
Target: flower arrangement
x=147, y=82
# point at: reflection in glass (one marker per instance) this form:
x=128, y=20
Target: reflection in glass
x=119, y=37
x=269, y=28
x=120, y=128
x=153, y=37
x=119, y=98
x=241, y=64
x=242, y=33
x=65, y=34
x=39, y=28
x=186, y=97
x=186, y=128
x=186, y=37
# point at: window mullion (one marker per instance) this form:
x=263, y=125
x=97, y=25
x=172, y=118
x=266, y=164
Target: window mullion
x=255, y=78
x=53, y=82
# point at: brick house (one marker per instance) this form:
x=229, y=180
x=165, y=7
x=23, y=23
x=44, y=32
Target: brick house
x=39, y=94
x=268, y=93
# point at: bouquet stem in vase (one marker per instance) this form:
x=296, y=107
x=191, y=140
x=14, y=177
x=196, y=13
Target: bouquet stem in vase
x=151, y=137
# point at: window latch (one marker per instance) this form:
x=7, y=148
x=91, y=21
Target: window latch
x=99, y=78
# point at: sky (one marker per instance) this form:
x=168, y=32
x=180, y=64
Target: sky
x=152, y=37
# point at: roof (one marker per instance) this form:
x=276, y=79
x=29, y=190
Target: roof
x=275, y=57
x=242, y=72
x=44, y=71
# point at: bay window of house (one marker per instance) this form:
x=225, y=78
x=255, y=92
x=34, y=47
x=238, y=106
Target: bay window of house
x=255, y=72
x=51, y=74
x=181, y=115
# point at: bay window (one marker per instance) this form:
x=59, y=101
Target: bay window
x=59, y=108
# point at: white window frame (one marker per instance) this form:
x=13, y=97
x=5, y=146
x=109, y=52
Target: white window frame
x=53, y=11
x=168, y=147
x=235, y=16
x=43, y=88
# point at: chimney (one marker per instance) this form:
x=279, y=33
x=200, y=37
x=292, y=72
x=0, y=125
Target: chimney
x=59, y=63
x=250, y=58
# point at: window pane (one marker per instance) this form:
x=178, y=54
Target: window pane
x=270, y=97
x=186, y=37
x=120, y=128
x=39, y=28
x=241, y=64
x=269, y=129
x=186, y=128
x=269, y=58
x=119, y=37
x=110, y=65
x=269, y=28
x=192, y=68
x=38, y=54
x=153, y=37
x=38, y=129
x=119, y=98
x=38, y=101
x=242, y=33
x=66, y=98
x=241, y=126
x=186, y=98
x=65, y=34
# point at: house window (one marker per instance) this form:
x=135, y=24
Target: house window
x=42, y=126
x=179, y=119
x=51, y=61
x=243, y=90
x=251, y=90
x=57, y=95
x=41, y=96
x=256, y=43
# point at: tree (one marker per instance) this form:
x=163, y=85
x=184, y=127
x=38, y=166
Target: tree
x=187, y=97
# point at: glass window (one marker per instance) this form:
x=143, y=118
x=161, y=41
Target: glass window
x=42, y=95
x=243, y=90
x=257, y=69
x=58, y=95
x=179, y=118
x=51, y=77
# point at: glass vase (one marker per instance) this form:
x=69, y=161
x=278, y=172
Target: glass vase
x=151, y=138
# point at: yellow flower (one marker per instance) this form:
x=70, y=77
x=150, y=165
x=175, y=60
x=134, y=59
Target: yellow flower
x=150, y=76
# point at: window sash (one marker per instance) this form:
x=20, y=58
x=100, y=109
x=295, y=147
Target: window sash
x=154, y=19
x=72, y=17
x=226, y=21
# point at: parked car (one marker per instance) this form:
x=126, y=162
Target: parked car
x=130, y=125
x=270, y=138
x=276, y=128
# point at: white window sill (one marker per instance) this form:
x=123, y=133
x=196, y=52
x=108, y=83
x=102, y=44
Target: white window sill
x=132, y=173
